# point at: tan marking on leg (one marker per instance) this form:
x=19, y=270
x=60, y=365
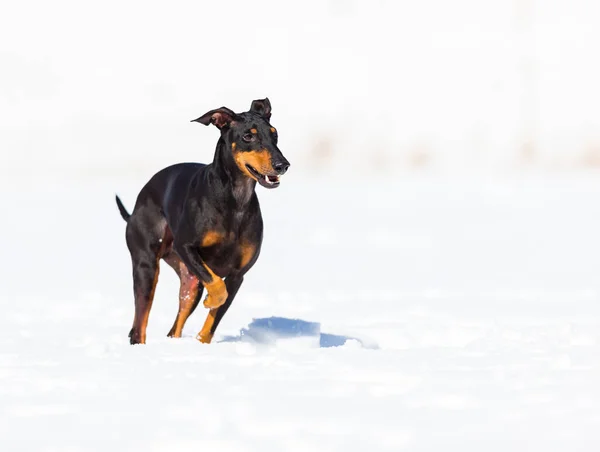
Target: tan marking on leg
x=247, y=251
x=217, y=292
x=205, y=336
x=211, y=238
x=146, y=314
x=188, y=291
x=143, y=300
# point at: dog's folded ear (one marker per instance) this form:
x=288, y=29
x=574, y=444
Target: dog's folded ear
x=262, y=107
x=220, y=117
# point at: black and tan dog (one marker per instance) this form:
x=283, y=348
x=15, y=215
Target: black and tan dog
x=204, y=220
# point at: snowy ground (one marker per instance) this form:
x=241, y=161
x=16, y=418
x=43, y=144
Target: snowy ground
x=466, y=315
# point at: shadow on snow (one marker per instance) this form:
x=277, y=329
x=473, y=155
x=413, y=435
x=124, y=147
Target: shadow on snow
x=269, y=330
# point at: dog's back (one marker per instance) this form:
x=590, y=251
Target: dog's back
x=168, y=187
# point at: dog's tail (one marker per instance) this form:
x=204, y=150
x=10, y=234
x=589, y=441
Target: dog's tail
x=126, y=216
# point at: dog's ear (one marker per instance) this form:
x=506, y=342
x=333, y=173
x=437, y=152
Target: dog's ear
x=220, y=117
x=262, y=107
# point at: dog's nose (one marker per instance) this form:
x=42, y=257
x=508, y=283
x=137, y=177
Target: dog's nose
x=281, y=167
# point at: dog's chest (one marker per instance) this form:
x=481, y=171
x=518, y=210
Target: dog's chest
x=227, y=251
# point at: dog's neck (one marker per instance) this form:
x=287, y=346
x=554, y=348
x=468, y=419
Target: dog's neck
x=235, y=184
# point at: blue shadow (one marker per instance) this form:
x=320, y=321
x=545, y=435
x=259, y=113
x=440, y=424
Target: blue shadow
x=268, y=330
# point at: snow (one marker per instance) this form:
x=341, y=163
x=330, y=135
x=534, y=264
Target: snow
x=409, y=313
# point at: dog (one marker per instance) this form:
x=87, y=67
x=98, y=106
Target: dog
x=204, y=221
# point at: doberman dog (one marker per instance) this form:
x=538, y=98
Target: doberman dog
x=204, y=220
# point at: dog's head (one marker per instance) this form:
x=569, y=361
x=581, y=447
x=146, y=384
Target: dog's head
x=252, y=141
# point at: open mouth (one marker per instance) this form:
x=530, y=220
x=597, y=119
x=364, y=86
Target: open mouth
x=264, y=179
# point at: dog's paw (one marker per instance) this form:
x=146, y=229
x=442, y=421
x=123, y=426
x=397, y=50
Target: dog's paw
x=205, y=338
x=217, y=295
x=136, y=338
x=212, y=302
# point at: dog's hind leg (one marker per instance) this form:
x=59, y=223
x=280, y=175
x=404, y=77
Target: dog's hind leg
x=145, y=277
x=146, y=246
x=190, y=293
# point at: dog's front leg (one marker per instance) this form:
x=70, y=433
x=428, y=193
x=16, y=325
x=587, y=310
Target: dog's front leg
x=215, y=315
x=215, y=286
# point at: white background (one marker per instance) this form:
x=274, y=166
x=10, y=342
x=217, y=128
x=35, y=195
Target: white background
x=493, y=84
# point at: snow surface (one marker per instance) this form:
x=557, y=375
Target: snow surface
x=412, y=313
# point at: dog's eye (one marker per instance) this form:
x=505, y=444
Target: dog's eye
x=248, y=137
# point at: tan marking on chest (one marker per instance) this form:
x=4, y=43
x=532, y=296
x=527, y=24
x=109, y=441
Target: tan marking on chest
x=247, y=251
x=212, y=238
